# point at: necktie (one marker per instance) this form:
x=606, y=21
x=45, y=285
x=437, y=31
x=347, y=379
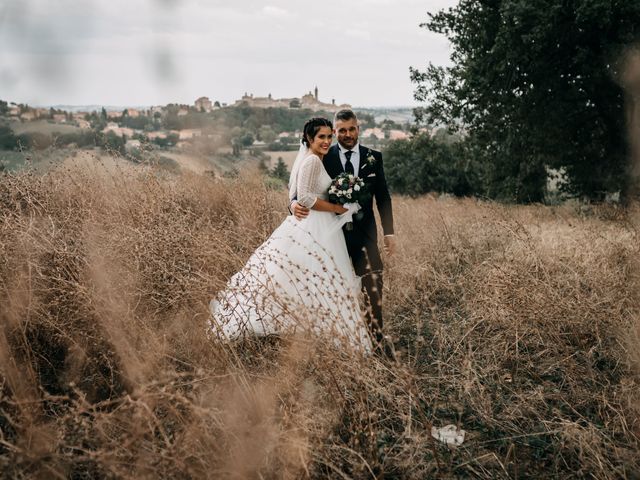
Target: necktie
x=348, y=166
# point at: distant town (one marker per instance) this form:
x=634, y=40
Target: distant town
x=252, y=127
x=115, y=124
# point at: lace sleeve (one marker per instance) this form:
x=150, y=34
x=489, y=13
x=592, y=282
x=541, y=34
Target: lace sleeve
x=308, y=181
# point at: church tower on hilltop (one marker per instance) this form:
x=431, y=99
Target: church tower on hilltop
x=316, y=92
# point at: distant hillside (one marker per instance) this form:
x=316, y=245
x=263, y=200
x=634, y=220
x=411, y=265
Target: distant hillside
x=96, y=108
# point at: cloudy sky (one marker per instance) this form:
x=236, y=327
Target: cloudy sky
x=148, y=52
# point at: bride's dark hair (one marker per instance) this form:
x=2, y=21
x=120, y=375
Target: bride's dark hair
x=311, y=128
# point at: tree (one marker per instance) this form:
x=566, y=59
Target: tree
x=533, y=85
x=34, y=141
x=423, y=164
x=366, y=120
x=8, y=140
x=113, y=143
x=246, y=140
x=262, y=165
x=266, y=134
x=280, y=170
x=235, y=145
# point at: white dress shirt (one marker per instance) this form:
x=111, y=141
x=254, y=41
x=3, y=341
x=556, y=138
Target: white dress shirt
x=355, y=157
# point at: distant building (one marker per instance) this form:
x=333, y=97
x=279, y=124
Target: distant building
x=28, y=116
x=203, y=104
x=113, y=114
x=133, y=112
x=59, y=118
x=398, y=135
x=309, y=100
x=83, y=124
x=182, y=112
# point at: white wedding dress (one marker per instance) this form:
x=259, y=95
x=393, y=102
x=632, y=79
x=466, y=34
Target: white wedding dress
x=300, y=280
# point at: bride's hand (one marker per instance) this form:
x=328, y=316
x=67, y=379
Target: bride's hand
x=339, y=209
x=352, y=208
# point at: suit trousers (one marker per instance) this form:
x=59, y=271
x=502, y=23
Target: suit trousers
x=368, y=265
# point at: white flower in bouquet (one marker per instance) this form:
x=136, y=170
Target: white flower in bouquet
x=347, y=188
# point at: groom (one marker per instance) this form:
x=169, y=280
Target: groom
x=362, y=242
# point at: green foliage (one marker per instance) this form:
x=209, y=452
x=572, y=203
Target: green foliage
x=250, y=118
x=262, y=165
x=388, y=124
x=283, y=145
x=266, y=134
x=80, y=139
x=533, y=83
x=170, y=140
x=193, y=119
x=138, y=123
x=280, y=171
x=34, y=141
x=366, y=120
x=422, y=164
x=112, y=143
x=246, y=140
x=41, y=140
x=4, y=107
x=8, y=140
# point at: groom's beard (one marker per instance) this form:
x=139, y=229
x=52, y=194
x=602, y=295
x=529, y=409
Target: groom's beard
x=349, y=143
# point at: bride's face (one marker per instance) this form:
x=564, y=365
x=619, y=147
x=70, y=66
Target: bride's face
x=322, y=141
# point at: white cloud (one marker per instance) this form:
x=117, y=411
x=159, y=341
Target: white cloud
x=111, y=52
x=357, y=33
x=277, y=12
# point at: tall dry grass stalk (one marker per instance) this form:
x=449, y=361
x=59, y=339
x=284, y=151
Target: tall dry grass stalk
x=516, y=323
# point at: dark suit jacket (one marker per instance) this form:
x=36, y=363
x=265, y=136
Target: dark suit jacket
x=364, y=233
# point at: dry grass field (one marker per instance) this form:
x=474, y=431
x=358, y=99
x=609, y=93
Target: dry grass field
x=519, y=324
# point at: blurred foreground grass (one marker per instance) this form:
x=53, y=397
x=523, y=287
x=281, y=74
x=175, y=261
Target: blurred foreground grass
x=519, y=324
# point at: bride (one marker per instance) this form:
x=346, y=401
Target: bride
x=300, y=280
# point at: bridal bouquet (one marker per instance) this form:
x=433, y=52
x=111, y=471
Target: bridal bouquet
x=347, y=188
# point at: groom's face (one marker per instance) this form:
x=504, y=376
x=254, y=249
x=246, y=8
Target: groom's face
x=347, y=132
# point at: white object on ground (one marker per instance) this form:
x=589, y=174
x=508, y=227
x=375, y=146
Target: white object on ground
x=450, y=434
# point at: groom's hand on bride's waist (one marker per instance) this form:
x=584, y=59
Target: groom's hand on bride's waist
x=299, y=211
